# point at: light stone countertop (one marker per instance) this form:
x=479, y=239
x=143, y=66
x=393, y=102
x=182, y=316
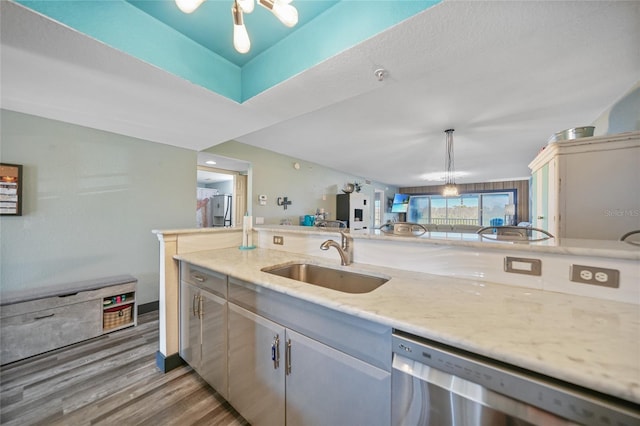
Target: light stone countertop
x=586, y=341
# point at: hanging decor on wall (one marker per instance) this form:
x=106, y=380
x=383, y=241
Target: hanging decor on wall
x=10, y=189
x=450, y=188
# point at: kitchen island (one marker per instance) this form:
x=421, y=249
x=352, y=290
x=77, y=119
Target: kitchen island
x=581, y=340
x=454, y=293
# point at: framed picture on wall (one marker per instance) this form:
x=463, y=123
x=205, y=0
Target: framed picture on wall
x=10, y=189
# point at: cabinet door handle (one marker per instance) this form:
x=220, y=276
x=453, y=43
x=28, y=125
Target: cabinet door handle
x=198, y=278
x=194, y=308
x=275, y=352
x=43, y=317
x=288, y=358
x=200, y=306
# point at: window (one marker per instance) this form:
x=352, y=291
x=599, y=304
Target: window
x=493, y=207
x=419, y=209
x=466, y=209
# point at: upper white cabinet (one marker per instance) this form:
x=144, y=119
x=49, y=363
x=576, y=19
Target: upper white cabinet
x=587, y=188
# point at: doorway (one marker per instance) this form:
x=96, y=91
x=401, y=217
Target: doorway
x=378, y=208
x=221, y=191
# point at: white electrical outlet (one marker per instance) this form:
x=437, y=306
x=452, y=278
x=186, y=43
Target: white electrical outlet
x=586, y=275
x=595, y=275
x=601, y=277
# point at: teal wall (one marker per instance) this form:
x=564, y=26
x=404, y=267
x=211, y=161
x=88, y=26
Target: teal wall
x=90, y=201
x=124, y=26
x=310, y=187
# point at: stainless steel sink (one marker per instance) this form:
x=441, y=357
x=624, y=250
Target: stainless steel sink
x=335, y=279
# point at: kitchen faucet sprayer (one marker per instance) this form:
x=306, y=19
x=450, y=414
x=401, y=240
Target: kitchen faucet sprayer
x=345, y=250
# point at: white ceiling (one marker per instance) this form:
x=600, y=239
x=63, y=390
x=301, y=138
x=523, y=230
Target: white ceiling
x=505, y=75
x=217, y=172
x=206, y=177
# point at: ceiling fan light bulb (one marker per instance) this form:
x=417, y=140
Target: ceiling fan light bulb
x=247, y=6
x=241, y=41
x=286, y=13
x=188, y=6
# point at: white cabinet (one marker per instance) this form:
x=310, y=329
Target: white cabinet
x=544, y=197
x=277, y=375
x=203, y=325
x=587, y=188
x=355, y=209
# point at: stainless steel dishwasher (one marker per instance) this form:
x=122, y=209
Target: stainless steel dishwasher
x=437, y=385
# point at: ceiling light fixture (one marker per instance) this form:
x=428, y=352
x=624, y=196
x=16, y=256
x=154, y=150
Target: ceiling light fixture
x=450, y=188
x=241, y=41
x=188, y=6
x=282, y=9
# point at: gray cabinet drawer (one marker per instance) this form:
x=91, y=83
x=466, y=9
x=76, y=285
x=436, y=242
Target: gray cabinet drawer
x=204, y=279
x=36, y=332
x=69, y=297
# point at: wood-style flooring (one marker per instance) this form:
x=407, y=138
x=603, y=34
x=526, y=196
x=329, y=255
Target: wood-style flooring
x=109, y=380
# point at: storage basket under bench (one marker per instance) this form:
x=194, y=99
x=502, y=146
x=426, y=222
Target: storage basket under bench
x=32, y=323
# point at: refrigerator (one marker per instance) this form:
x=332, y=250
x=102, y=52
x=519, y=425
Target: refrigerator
x=220, y=207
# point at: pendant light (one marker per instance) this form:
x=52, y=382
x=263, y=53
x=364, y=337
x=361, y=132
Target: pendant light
x=450, y=188
x=281, y=9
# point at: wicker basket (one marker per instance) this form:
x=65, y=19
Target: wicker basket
x=115, y=317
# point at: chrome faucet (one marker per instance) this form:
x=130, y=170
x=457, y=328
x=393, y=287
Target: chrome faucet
x=345, y=250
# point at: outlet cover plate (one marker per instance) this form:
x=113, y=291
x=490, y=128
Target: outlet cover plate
x=595, y=275
x=523, y=265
